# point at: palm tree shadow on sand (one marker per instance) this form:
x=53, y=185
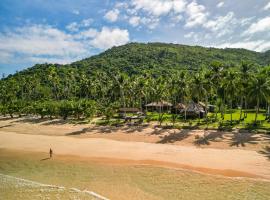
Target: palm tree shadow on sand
x=207, y=138
x=265, y=152
x=241, y=139
x=175, y=136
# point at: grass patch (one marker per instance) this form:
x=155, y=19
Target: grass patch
x=217, y=122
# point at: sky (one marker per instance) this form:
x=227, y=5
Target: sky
x=63, y=31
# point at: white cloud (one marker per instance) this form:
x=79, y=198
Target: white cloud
x=150, y=22
x=159, y=7
x=112, y=15
x=267, y=6
x=5, y=57
x=257, y=45
x=86, y=22
x=189, y=35
x=246, y=21
x=179, y=5
x=41, y=41
x=134, y=21
x=89, y=33
x=197, y=14
x=75, y=12
x=220, y=22
x=262, y=25
x=220, y=4
x=192, y=35
x=76, y=26
x=108, y=38
x=73, y=27
x=177, y=19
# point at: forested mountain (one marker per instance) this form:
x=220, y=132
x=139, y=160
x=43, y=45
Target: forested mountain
x=134, y=74
x=135, y=57
x=159, y=57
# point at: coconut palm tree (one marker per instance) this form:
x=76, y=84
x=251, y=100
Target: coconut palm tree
x=243, y=84
x=259, y=90
x=230, y=83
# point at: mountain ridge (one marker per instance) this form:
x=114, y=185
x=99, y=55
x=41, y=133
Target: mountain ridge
x=138, y=57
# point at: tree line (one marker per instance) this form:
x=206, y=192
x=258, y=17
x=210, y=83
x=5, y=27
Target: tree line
x=53, y=90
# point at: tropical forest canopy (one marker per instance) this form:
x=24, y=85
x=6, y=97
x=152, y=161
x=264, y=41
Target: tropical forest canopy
x=136, y=74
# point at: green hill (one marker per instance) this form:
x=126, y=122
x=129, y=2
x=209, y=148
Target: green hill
x=136, y=74
x=137, y=58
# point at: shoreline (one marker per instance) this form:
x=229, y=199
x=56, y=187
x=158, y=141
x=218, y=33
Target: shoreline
x=223, y=162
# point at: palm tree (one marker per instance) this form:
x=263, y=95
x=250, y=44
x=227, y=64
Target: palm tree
x=230, y=83
x=243, y=84
x=200, y=88
x=259, y=90
x=216, y=76
x=183, y=90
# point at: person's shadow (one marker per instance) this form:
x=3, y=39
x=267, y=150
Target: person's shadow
x=45, y=159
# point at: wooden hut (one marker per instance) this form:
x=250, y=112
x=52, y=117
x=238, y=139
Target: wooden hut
x=192, y=110
x=159, y=106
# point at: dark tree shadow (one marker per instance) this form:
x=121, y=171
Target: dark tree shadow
x=8, y=118
x=265, y=152
x=9, y=125
x=158, y=131
x=31, y=120
x=175, y=136
x=134, y=128
x=101, y=129
x=110, y=129
x=201, y=140
x=207, y=138
x=241, y=139
x=83, y=131
x=56, y=122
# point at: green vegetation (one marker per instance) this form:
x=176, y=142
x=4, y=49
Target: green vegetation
x=134, y=75
x=125, y=181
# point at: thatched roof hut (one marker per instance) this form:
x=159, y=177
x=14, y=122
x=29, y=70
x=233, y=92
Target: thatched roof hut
x=202, y=104
x=191, y=109
x=180, y=106
x=159, y=104
x=194, y=108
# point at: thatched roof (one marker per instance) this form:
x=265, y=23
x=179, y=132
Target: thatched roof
x=202, y=104
x=129, y=110
x=194, y=107
x=180, y=106
x=159, y=104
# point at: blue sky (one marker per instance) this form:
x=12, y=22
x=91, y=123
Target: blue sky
x=63, y=31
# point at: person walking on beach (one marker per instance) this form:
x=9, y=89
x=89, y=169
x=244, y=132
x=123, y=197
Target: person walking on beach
x=51, y=153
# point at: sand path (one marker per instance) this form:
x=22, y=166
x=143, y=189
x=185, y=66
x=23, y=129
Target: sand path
x=233, y=162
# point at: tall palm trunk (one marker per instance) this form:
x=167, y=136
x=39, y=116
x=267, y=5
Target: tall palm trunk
x=257, y=110
x=245, y=107
x=241, y=111
x=231, y=112
x=206, y=110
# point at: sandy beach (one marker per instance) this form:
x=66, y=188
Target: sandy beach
x=228, y=162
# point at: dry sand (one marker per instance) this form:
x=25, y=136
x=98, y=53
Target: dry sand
x=229, y=162
x=150, y=134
